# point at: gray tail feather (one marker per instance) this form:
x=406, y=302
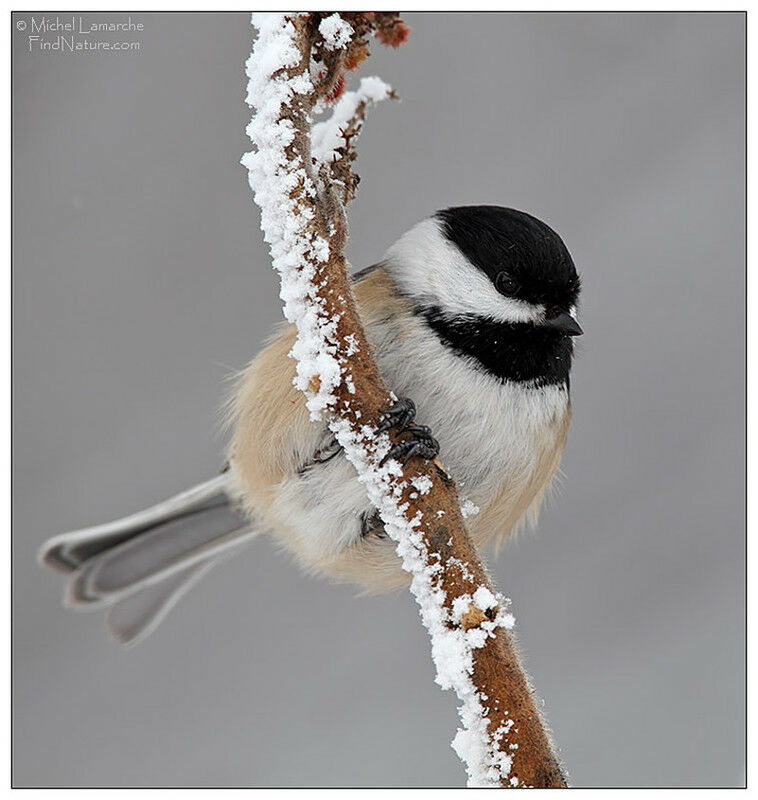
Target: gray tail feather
x=135, y=617
x=140, y=566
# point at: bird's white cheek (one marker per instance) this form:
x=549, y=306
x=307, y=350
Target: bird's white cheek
x=433, y=271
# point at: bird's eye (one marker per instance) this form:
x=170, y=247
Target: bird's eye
x=505, y=284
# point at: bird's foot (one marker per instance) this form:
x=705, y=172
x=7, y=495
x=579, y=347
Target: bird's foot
x=422, y=444
x=399, y=415
x=372, y=525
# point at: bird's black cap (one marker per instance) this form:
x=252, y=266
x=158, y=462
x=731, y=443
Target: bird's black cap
x=505, y=242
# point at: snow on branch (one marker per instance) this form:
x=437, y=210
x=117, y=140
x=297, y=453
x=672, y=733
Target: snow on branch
x=302, y=178
x=348, y=115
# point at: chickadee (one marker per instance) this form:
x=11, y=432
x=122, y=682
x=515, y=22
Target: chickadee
x=471, y=313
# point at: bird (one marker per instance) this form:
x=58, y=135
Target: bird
x=471, y=316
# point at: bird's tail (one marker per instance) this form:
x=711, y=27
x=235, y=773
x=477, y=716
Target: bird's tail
x=139, y=566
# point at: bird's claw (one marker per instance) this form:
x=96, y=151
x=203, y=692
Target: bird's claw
x=372, y=525
x=423, y=447
x=399, y=415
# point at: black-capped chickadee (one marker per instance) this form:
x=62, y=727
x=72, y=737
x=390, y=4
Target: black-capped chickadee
x=471, y=313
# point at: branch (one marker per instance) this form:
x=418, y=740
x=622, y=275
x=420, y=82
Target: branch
x=333, y=140
x=302, y=180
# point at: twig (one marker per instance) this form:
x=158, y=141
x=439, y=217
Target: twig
x=302, y=178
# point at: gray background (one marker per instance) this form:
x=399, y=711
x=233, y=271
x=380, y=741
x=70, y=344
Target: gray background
x=141, y=280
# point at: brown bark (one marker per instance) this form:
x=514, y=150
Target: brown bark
x=498, y=675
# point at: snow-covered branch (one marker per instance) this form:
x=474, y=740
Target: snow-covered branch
x=301, y=175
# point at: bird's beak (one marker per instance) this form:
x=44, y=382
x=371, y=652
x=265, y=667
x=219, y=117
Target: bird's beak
x=564, y=323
